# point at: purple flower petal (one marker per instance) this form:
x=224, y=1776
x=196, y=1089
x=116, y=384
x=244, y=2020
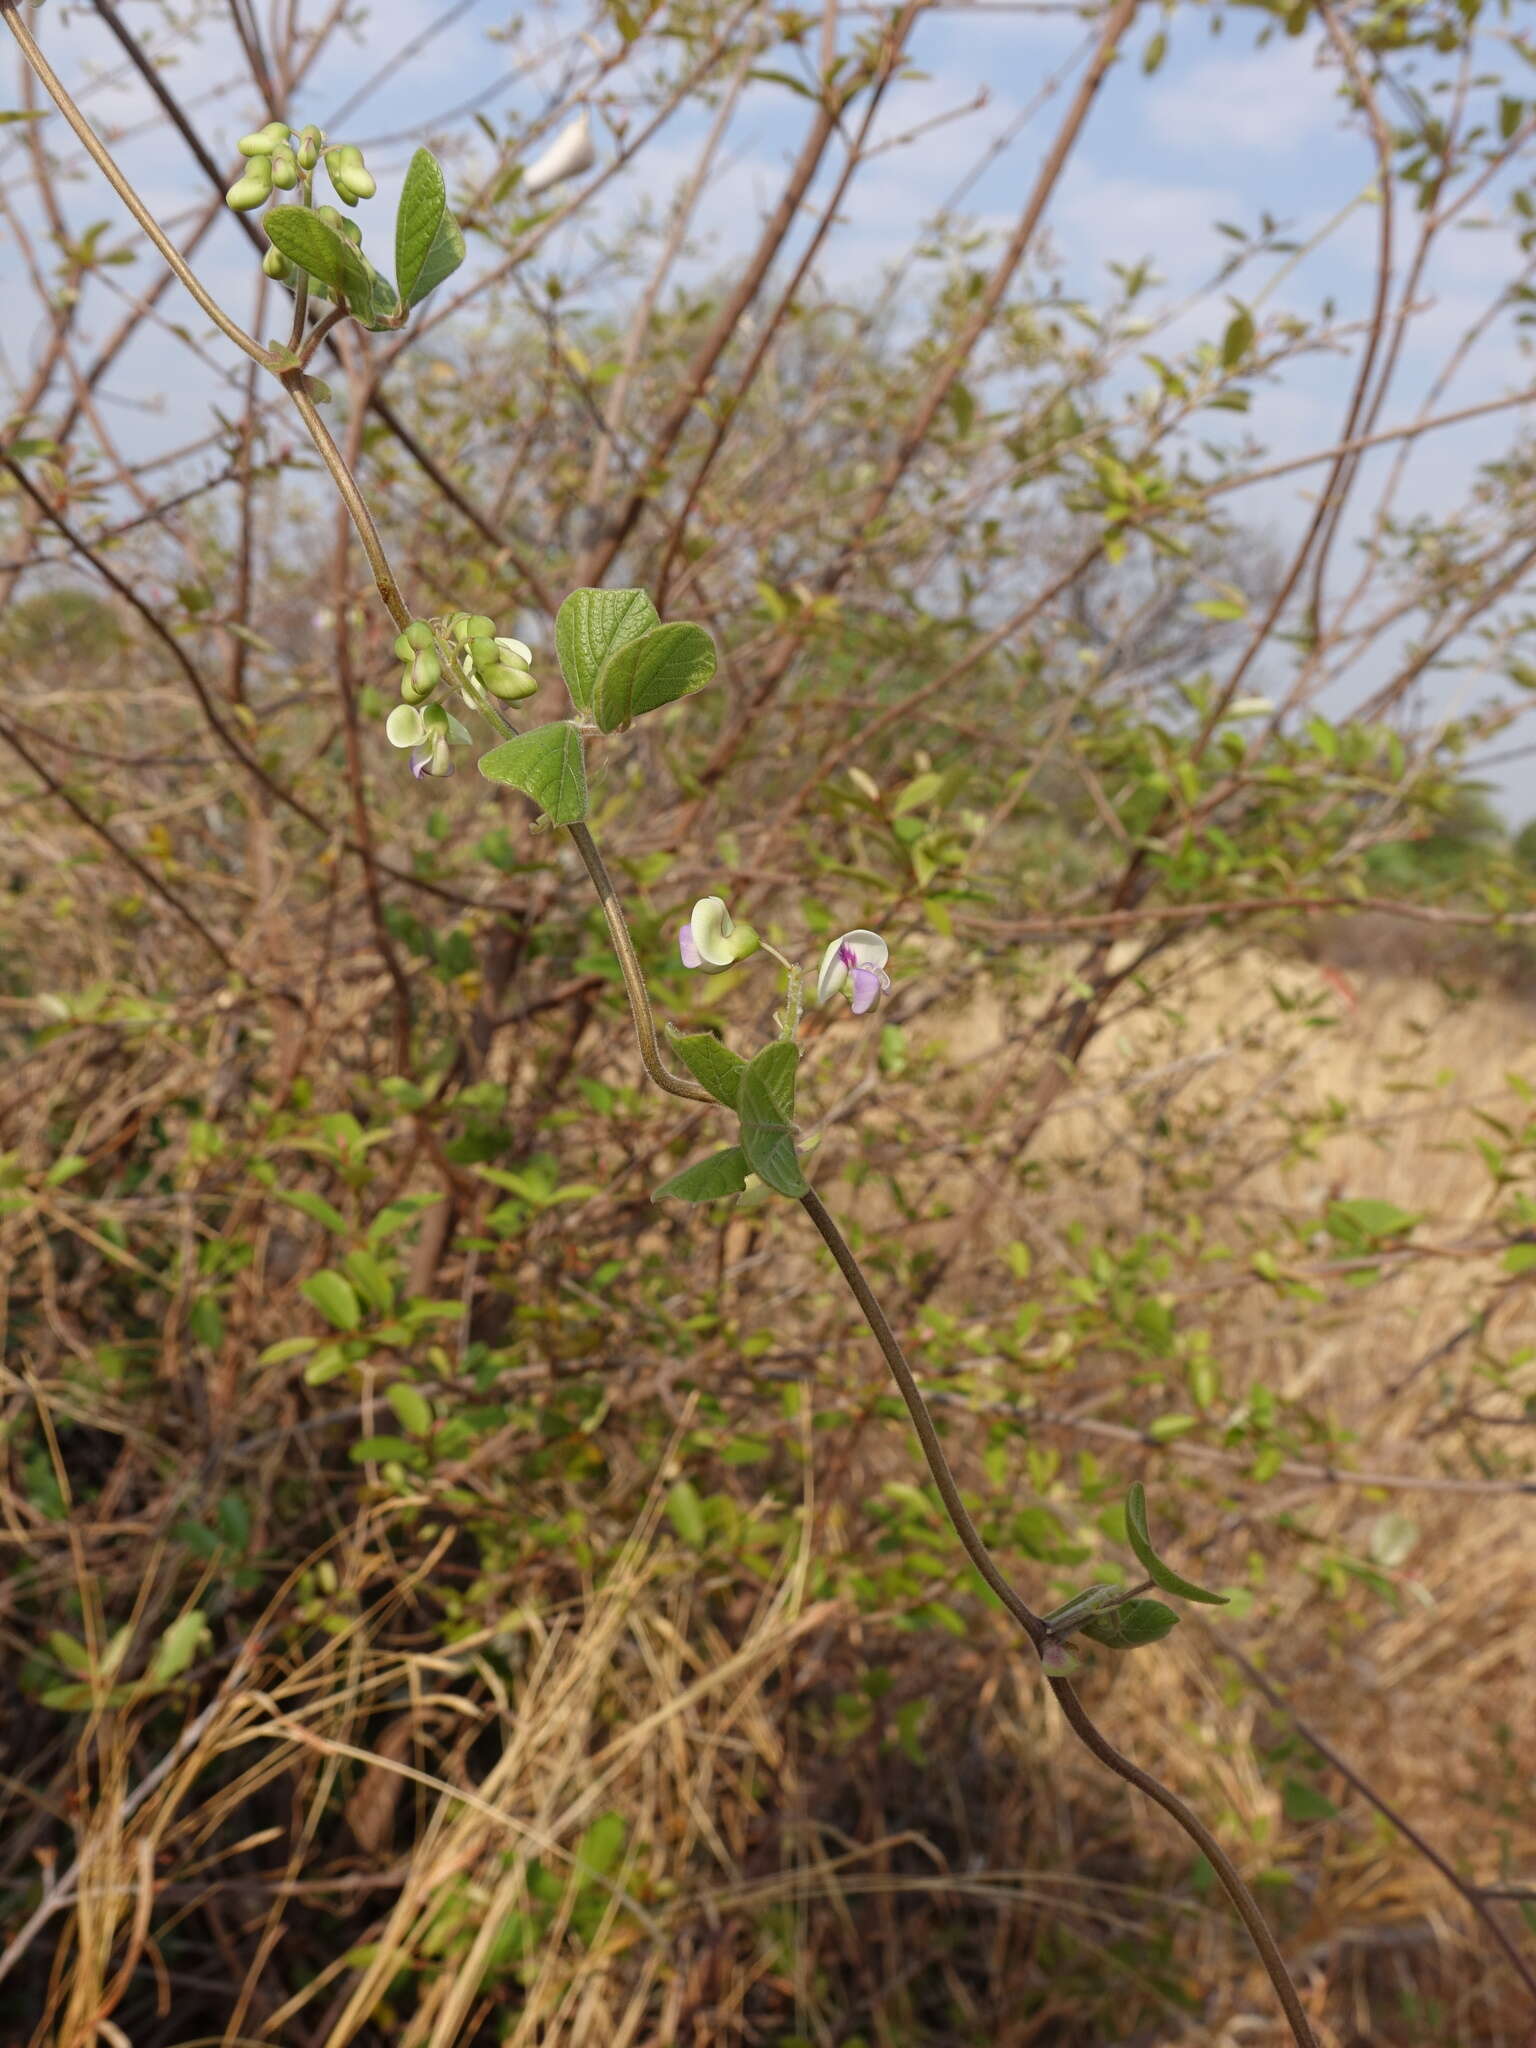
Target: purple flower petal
x=866, y=988
x=687, y=945
x=421, y=761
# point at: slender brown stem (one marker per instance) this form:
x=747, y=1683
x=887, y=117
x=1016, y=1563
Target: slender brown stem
x=633, y=972
x=1034, y=1627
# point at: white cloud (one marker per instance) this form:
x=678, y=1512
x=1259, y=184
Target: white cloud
x=1276, y=99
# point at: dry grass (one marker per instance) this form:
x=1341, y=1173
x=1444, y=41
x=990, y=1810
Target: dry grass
x=439, y=1789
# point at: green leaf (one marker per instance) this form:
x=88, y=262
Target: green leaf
x=176, y=1649
x=685, y=1511
x=545, y=764
x=423, y=202
x=1303, y=1802
x=443, y=259
x=334, y=1297
x=767, y=1106
x=654, y=669
x=589, y=626
x=65, y=1168
x=398, y=1448
x=371, y=1281
x=413, y=1411
x=1366, y=1220
x=304, y=238
x=713, y=1065
x=1159, y=1573
x=337, y=263
x=707, y=1180
x=1132, y=1625
x=1520, y=1258
x=316, y=1207
x=1238, y=339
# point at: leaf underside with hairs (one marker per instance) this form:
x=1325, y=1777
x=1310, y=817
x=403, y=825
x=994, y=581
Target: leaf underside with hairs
x=654, y=669
x=1131, y=1626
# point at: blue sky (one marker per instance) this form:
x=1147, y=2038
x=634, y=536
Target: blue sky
x=1221, y=131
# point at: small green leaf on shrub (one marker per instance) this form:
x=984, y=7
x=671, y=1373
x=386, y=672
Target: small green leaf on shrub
x=413, y=1411
x=713, y=1065
x=334, y=1297
x=589, y=626
x=685, y=1511
x=656, y=669
x=1302, y=1801
x=707, y=1180
x=545, y=764
x=1132, y=1625
x=767, y=1106
x=316, y=1207
x=1159, y=1573
x=177, y=1648
x=382, y=1447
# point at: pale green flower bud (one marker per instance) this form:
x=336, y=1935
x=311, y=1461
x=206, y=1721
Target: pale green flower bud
x=253, y=190
x=344, y=166
x=514, y=652
x=285, y=170
x=484, y=653
x=416, y=637
x=311, y=142
x=340, y=223
x=276, y=264
x=264, y=140
x=510, y=684
x=467, y=626
x=422, y=677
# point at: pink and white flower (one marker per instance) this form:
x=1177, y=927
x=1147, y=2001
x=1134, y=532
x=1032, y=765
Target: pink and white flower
x=854, y=966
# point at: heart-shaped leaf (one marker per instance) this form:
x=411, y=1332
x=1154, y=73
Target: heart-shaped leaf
x=657, y=668
x=707, y=1180
x=1131, y=1626
x=1159, y=1573
x=589, y=626
x=767, y=1107
x=545, y=764
x=713, y=1065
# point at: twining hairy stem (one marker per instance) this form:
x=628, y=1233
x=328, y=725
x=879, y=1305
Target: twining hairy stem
x=1078, y=1718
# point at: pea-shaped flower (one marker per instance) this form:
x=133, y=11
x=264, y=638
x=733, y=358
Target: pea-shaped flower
x=854, y=966
x=429, y=733
x=712, y=940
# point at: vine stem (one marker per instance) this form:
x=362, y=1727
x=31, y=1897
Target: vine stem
x=101, y=157
x=633, y=973
x=1077, y=1715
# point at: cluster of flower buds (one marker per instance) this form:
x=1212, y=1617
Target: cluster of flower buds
x=276, y=159
x=495, y=660
x=491, y=662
